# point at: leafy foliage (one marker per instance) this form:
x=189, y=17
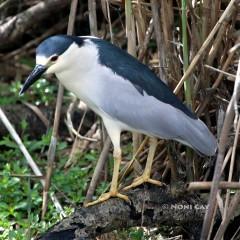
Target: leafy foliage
x=21, y=195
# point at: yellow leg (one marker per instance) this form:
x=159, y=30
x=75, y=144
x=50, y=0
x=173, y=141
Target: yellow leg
x=127, y=168
x=113, y=189
x=145, y=177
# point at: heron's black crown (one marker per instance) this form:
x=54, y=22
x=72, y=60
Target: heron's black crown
x=56, y=45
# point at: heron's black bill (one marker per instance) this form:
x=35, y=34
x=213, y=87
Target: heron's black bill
x=33, y=77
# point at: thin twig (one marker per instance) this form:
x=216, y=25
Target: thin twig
x=76, y=132
x=195, y=186
x=155, y=5
x=187, y=86
x=38, y=112
x=109, y=21
x=23, y=176
x=230, y=213
x=92, y=17
x=29, y=159
x=204, y=46
x=53, y=143
x=226, y=159
x=19, y=142
x=97, y=171
x=216, y=83
x=217, y=172
x=148, y=34
x=230, y=174
x=79, y=147
x=232, y=76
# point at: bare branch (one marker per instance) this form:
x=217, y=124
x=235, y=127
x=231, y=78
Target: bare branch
x=148, y=207
x=12, y=30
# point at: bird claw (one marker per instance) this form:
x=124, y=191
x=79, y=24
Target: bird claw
x=106, y=196
x=143, y=179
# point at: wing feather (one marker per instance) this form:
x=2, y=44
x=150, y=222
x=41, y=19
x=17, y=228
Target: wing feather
x=146, y=114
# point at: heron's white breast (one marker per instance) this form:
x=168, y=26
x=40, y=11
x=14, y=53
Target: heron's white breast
x=77, y=71
x=89, y=80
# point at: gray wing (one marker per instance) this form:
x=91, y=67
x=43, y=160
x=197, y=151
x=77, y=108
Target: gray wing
x=146, y=114
x=140, y=76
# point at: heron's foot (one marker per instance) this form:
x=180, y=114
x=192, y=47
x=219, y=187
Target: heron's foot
x=143, y=179
x=106, y=196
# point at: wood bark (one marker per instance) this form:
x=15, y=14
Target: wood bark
x=149, y=206
x=15, y=27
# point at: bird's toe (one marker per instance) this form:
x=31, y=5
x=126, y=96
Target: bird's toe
x=105, y=196
x=143, y=179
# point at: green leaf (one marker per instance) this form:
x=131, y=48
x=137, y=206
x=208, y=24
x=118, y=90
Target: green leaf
x=7, y=142
x=137, y=234
x=21, y=205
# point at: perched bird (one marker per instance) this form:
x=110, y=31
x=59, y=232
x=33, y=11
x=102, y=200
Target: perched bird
x=124, y=92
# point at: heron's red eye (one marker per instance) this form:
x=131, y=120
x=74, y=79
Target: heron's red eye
x=54, y=58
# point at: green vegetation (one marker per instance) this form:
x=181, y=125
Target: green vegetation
x=21, y=195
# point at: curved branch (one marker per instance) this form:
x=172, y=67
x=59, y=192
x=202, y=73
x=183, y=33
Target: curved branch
x=36, y=127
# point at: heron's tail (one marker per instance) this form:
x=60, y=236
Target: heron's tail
x=198, y=136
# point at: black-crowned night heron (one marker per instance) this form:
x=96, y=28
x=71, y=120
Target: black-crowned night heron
x=124, y=92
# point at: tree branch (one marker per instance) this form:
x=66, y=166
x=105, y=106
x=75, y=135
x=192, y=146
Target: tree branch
x=150, y=206
x=12, y=30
